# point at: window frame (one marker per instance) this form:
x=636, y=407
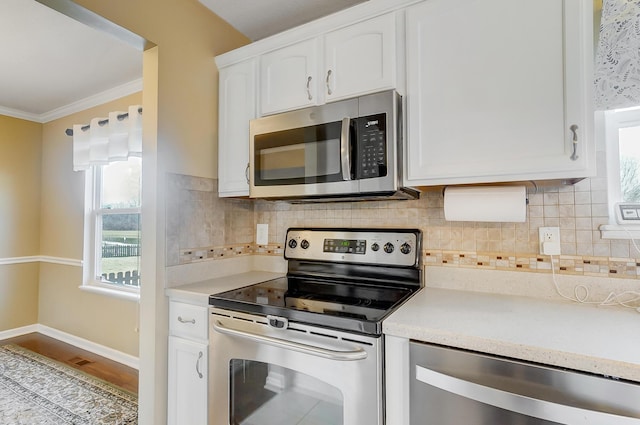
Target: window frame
x=613, y=121
x=92, y=256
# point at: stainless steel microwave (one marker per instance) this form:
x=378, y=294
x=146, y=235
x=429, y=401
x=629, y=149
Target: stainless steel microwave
x=346, y=150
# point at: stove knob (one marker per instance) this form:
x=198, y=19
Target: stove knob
x=292, y=243
x=405, y=248
x=375, y=247
x=388, y=247
x=304, y=244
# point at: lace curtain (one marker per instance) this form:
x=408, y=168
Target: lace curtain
x=617, y=65
x=107, y=140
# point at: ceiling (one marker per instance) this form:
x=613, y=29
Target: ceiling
x=52, y=65
x=258, y=19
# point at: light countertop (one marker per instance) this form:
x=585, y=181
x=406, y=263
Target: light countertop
x=601, y=340
x=198, y=292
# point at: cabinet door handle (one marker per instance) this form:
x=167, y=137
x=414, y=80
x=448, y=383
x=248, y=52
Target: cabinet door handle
x=198, y=365
x=309, y=88
x=181, y=320
x=246, y=173
x=574, y=130
x=329, y=91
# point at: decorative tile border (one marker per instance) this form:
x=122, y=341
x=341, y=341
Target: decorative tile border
x=193, y=255
x=627, y=268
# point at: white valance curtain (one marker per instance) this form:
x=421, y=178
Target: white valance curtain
x=105, y=140
x=617, y=65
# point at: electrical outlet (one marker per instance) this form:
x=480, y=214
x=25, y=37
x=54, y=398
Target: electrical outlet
x=549, y=240
x=262, y=234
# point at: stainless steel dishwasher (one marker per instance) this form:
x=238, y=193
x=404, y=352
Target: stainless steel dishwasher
x=454, y=387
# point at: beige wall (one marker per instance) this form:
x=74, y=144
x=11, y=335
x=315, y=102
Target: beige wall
x=181, y=137
x=105, y=320
x=63, y=306
x=188, y=37
x=20, y=158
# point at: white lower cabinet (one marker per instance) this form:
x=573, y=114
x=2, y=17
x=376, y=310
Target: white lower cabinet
x=188, y=365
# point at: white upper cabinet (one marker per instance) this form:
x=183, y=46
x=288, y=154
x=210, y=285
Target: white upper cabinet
x=360, y=58
x=498, y=90
x=237, y=106
x=353, y=60
x=288, y=77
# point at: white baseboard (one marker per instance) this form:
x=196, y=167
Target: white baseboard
x=18, y=331
x=85, y=344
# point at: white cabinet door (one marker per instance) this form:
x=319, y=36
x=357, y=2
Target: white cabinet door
x=288, y=77
x=237, y=106
x=360, y=58
x=187, y=398
x=494, y=89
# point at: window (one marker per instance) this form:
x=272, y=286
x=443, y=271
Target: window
x=112, y=227
x=622, y=134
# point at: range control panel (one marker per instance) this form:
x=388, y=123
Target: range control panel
x=391, y=247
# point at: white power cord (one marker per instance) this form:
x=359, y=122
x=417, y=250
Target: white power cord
x=611, y=299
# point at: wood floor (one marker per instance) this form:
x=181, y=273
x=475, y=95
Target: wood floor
x=86, y=361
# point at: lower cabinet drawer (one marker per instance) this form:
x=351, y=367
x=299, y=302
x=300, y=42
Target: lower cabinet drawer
x=187, y=320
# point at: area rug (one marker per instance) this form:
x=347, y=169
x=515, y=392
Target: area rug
x=35, y=390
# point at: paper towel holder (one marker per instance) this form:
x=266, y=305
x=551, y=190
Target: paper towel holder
x=486, y=203
x=533, y=183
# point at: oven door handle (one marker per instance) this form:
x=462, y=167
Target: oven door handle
x=357, y=354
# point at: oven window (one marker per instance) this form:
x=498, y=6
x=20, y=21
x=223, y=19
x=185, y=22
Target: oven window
x=266, y=394
x=298, y=156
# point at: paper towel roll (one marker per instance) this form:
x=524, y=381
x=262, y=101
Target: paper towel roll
x=486, y=203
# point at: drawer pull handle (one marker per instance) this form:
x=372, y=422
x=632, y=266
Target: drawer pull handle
x=181, y=320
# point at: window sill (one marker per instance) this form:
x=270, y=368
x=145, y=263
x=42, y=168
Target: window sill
x=616, y=231
x=115, y=293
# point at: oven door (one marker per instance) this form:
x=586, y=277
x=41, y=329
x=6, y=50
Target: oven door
x=262, y=375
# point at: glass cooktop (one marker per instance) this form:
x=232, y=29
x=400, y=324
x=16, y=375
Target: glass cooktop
x=347, y=306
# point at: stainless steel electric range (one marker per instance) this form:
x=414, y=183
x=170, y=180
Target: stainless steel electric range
x=308, y=348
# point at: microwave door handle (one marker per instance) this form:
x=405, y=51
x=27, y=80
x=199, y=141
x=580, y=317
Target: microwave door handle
x=345, y=152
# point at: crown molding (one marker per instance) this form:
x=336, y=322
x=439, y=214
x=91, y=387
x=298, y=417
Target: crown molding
x=80, y=105
x=91, y=101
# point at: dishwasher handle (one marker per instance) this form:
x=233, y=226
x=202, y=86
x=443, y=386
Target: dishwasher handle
x=529, y=406
x=357, y=354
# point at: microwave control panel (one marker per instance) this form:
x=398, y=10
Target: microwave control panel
x=372, y=146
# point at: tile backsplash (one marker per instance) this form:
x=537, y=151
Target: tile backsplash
x=203, y=227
